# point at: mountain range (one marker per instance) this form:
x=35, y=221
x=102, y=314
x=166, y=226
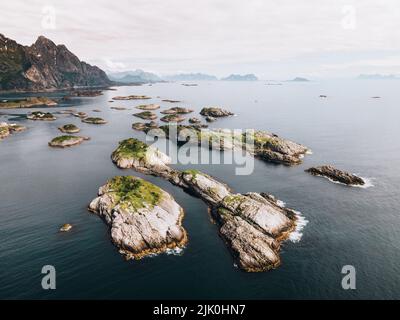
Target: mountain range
x=44, y=66
x=140, y=76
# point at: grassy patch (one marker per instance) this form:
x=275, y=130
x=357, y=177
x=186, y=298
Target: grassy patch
x=133, y=192
x=131, y=148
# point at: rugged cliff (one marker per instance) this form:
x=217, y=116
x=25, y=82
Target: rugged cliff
x=44, y=66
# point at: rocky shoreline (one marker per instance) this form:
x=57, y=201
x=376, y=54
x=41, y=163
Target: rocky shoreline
x=253, y=225
x=144, y=219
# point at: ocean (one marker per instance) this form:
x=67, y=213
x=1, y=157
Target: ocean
x=42, y=188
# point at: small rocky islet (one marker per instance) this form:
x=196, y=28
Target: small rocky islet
x=253, y=225
x=146, y=115
x=94, y=120
x=66, y=141
x=6, y=129
x=148, y=107
x=66, y=227
x=177, y=110
x=42, y=116
x=131, y=97
x=143, y=218
x=140, y=126
x=69, y=128
x=215, y=112
x=336, y=175
x=173, y=118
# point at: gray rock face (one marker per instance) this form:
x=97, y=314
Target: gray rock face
x=143, y=218
x=253, y=225
x=44, y=66
x=336, y=175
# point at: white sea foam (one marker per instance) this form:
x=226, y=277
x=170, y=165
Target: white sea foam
x=309, y=152
x=175, y=251
x=301, y=222
x=368, y=182
x=281, y=203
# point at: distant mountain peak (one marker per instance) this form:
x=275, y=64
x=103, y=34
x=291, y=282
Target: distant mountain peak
x=239, y=77
x=44, y=66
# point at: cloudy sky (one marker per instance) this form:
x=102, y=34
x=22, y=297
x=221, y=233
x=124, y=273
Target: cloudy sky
x=275, y=39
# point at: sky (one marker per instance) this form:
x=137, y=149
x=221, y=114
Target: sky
x=274, y=39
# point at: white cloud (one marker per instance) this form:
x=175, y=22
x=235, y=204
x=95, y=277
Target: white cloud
x=214, y=36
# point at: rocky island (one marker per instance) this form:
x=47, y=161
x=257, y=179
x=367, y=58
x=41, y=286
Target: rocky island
x=253, y=225
x=69, y=128
x=144, y=219
x=215, y=112
x=140, y=126
x=336, y=175
x=66, y=141
x=7, y=129
x=148, y=106
x=94, y=120
x=173, y=118
x=43, y=116
x=146, y=115
x=28, y=103
x=80, y=114
x=177, y=110
x=171, y=101
x=131, y=97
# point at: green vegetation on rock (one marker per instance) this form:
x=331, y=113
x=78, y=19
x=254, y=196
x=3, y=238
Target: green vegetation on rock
x=131, y=148
x=133, y=192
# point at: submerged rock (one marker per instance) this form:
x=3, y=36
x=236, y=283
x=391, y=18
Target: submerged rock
x=146, y=115
x=215, y=112
x=8, y=128
x=144, y=219
x=336, y=175
x=43, y=116
x=177, y=110
x=118, y=108
x=69, y=128
x=65, y=227
x=94, y=120
x=132, y=97
x=173, y=118
x=253, y=225
x=66, y=141
x=148, y=106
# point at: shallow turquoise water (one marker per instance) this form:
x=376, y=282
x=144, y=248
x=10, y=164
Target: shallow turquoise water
x=42, y=188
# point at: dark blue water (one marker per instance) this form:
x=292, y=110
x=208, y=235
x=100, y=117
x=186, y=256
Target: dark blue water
x=42, y=188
